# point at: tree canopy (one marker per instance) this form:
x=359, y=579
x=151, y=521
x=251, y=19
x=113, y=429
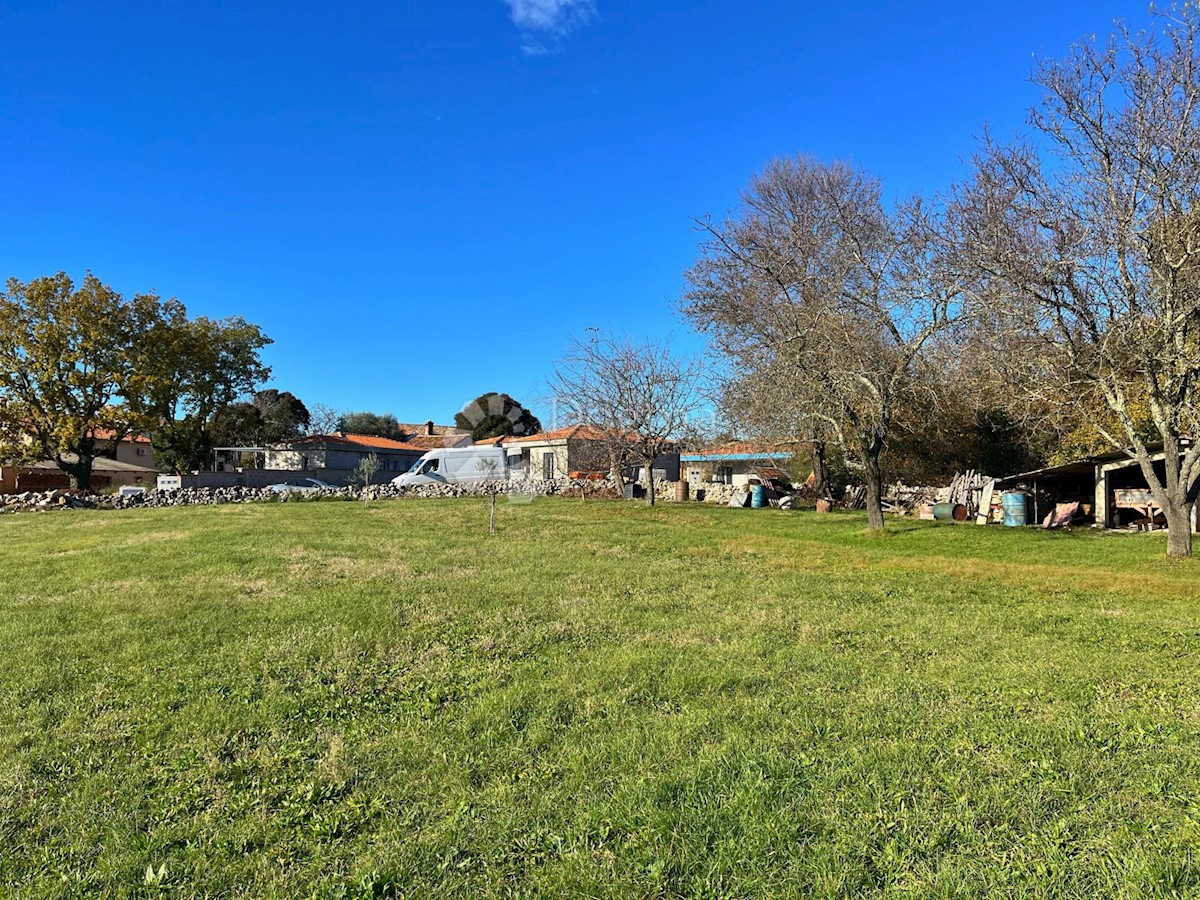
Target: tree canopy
x=384, y=426
x=267, y=418
x=496, y=415
x=639, y=396
x=82, y=367
x=1086, y=246
x=67, y=369
x=189, y=372
x=824, y=297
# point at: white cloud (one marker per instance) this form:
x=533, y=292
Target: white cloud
x=543, y=23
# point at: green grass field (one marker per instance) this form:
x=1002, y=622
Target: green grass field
x=601, y=700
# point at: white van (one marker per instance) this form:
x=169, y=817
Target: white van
x=462, y=465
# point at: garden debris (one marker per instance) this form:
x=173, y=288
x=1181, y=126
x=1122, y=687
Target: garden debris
x=1063, y=514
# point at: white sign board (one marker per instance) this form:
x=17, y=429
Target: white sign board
x=131, y=491
x=169, y=482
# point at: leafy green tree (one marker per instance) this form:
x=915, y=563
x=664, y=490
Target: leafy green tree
x=67, y=363
x=384, y=426
x=190, y=371
x=496, y=415
x=238, y=425
x=282, y=414
x=269, y=417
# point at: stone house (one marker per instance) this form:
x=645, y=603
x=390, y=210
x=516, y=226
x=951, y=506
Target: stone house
x=576, y=449
x=433, y=437
x=558, y=453
x=134, y=449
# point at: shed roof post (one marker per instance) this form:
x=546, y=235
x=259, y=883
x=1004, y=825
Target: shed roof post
x=1102, y=497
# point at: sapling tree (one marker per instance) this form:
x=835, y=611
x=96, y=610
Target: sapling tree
x=487, y=468
x=364, y=474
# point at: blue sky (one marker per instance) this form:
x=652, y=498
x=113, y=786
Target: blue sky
x=422, y=201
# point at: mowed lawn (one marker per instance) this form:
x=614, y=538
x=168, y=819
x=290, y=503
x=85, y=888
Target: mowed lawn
x=601, y=700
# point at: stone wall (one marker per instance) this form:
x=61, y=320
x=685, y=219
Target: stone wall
x=210, y=495
x=712, y=493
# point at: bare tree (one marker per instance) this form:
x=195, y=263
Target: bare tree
x=638, y=396
x=1090, y=256
x=765, y=402
x=323, y=419
x=814, y=276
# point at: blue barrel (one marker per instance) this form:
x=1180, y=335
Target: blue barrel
x=758, y=496
x=1016, y=508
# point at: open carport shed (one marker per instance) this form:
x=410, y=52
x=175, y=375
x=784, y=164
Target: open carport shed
x=1110, y=485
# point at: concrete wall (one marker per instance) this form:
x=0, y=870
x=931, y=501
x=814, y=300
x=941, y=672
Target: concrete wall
x=316, y=460
x=700, y=474
x=265, y=477
x=536, y=453
x=135, y=454
x=575, y=455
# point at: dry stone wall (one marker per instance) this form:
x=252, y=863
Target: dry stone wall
x=44, y=501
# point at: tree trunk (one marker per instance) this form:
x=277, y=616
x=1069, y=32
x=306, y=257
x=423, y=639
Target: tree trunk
x=79, y=474
x=873, y=475
x=1178, y=504
x=1179, y=527
x=820, y=470
x=649, y=482
x=492, y=519
x=614, y=466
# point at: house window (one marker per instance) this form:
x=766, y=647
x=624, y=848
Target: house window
x=141, y=451
x=724, y=475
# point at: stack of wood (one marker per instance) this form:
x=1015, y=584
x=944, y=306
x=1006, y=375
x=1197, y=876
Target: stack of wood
x=855, y=497
x=976, y=492
x=905, y=500
x=993, y=510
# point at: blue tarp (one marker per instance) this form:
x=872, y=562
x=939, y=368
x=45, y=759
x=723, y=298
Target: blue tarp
x=734, y=457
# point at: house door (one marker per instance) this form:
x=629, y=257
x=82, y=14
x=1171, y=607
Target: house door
x=547, y=466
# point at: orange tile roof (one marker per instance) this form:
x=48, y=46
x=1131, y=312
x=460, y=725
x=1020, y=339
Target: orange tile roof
x=435, y=441
x=359, y=440
x=381, y=443
x=106, y=434
x=571, y=432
